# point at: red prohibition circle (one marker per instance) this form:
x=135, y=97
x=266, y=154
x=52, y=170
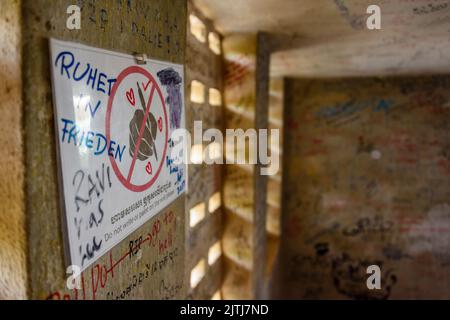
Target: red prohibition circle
x=120, y=176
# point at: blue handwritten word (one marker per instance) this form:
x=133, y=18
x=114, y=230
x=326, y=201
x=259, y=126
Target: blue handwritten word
x=96, y=80
x=180, y=188
x=351, y=107
x=383, y=105
x=87, y=105
x=169, y=163
x=72, y=133
x=176, y=169
x=180, y=183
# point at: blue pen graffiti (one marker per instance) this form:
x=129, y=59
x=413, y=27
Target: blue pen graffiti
x=176, y=166
x=68, y=67
x=83, y=101
x=73, y=134
x=94, y=79
x=351, y=107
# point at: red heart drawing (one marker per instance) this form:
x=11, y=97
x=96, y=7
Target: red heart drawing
x=148, y=168
x=160, y=124
x=130, y=97
x=145, y=86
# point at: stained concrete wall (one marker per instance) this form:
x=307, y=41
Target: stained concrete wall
x=157, y=28
x=238, y=188
x=366, y=180
x=12, y=209
x=205, y=180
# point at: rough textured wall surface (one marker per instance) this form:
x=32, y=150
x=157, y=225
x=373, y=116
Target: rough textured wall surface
x=12, y=210
x=260, y=236
x=330, y=38
x=366, y=180
x=273, y=198
x=150, y=270
x=203, y=65
x=238, y=187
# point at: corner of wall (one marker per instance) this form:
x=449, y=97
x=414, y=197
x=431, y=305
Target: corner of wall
x=13, y=279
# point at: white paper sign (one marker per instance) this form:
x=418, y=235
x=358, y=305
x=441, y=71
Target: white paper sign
x=114, y=120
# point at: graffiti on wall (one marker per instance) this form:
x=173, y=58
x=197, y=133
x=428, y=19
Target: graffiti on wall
x=368, y=183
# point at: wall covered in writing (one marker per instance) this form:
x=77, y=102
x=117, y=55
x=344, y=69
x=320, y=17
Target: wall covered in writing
x=238, y=189
x=366, y=181
x=203, y=66
x=150, y=262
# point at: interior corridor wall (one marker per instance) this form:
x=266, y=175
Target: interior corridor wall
x=366, y=181
x=238, y=188
x=203, y=201
x=152, y=269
